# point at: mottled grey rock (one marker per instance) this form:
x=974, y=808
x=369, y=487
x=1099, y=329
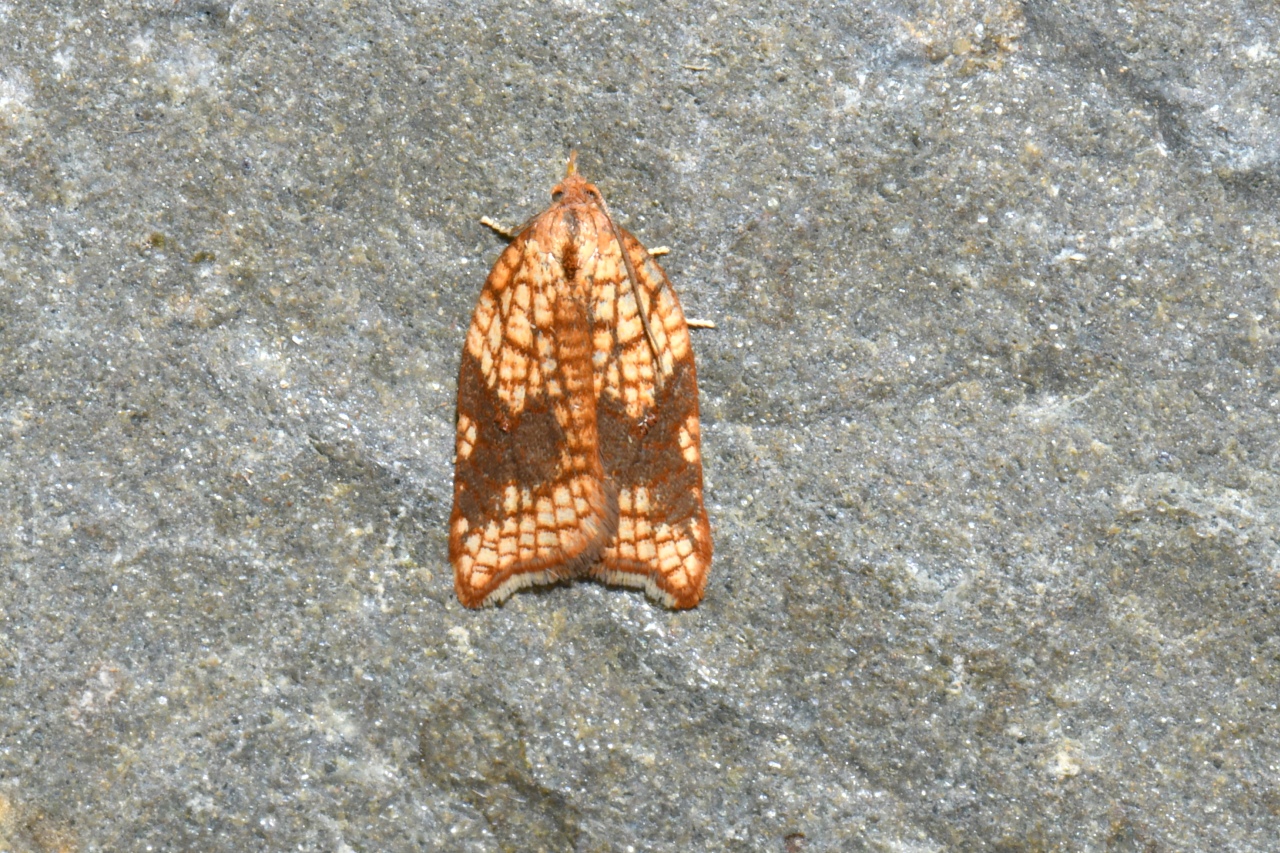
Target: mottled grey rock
x=990, y=427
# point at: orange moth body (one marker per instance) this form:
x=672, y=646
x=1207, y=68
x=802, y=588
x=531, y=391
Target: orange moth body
x=578, y=441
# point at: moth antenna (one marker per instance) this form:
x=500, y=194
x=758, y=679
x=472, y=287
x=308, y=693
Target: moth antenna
x=641, y=304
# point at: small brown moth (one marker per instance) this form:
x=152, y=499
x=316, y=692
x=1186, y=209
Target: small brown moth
x=578, y=439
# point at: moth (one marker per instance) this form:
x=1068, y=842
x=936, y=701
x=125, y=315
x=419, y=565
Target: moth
x=578, y=450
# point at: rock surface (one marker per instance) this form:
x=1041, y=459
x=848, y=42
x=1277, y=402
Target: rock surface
x=989, y=417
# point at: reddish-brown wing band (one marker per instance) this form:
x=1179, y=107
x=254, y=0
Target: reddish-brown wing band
x=578, y=450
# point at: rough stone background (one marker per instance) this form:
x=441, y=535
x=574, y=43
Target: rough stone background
x=990, y=423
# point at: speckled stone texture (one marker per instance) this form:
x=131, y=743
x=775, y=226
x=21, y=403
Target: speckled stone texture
x=990, y=427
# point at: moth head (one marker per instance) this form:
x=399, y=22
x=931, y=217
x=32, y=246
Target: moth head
x=574, y=189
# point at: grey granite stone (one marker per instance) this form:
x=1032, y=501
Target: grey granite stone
x=990, y=427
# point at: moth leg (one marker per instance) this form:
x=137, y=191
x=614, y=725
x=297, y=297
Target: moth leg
x=500, y=230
